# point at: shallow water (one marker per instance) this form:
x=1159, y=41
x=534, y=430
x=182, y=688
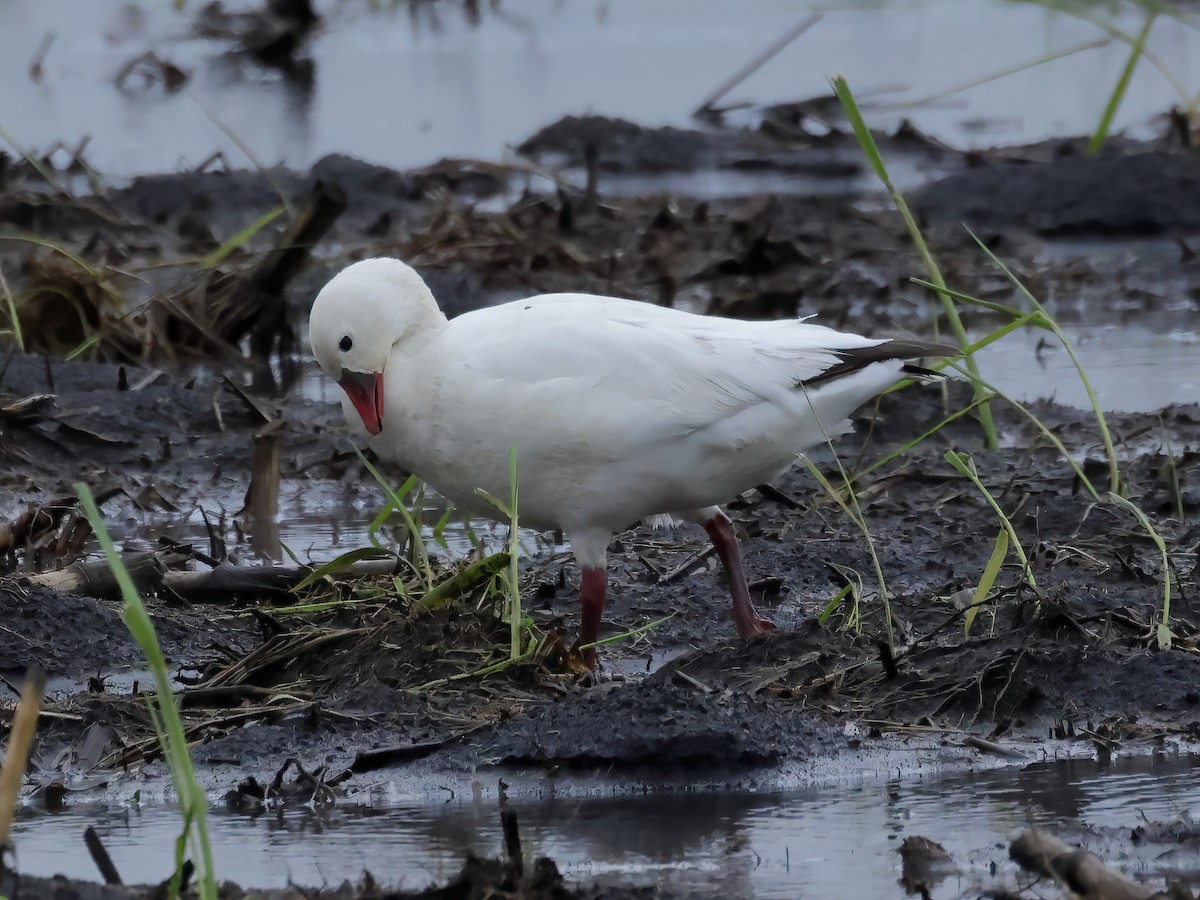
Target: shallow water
x=317, y=522
x=407, y=84
x=832, y=841
x=1132, y=368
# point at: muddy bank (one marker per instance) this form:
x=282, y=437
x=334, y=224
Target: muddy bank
x=1071, y=661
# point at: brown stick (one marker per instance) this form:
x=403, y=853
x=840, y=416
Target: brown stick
x=262, y=497
x=224, y=582
x=325, y=204
x=512, y=840
x=94, y=578
x=257, y=305
x=17, y=754
x=757, y=63
x=100, y=857
x=992, y=747
x=1082, y=872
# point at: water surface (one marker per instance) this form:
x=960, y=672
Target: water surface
x=832, y=841
x=406, y=84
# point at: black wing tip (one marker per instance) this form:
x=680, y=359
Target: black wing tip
x=897, y=348
x=925, y=350
x=920, y=373
x=854, y=360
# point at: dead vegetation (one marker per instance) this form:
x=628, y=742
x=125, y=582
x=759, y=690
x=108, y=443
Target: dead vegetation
x=122, y=309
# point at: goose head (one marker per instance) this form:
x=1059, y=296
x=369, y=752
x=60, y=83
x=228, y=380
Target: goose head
x=360, y=319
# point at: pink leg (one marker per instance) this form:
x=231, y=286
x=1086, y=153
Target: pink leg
x=747, y=619
x=591, y=598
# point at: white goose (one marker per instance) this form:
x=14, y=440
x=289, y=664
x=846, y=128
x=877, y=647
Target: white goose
x=619, y=410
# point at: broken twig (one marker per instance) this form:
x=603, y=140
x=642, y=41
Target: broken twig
x=1078, y=870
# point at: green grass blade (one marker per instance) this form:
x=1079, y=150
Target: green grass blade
x=964, y=464
x=626, y=635
x=1045, y=430
x=1173, y=475
x=40, y=167
x=990, y=571
x=439, y=529
x=300, y=609
x=1118, y=94
x=242, y=237
x=85, y=346
x=997, y=75
x=514, y=571
x=988, y=339
x=396, y=498
x=462, y=582
x=1163, y=629
x=249, y=154
x=495, y=502
x=842, y=89
x=169, y=725
x=512, y=578
x=340, y=564
x=10, y=303
x=833, y=604
x=1115, y=481
x=1084, y=11
x=829, y=489
x=377, y=523
x=854, y=511
x=91, y=270
x=960, y=297
x=1050, y=436
x=895, y=454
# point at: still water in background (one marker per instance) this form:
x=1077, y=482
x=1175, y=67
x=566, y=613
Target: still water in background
x=405, y=84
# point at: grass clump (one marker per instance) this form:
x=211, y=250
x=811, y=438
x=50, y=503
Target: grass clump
x=164, y=713
x=492, y=581
x=1136, y=51
x=16, y=758
x=1038, y=316
x=847, y=500
x=511, y=586
x=14, y=319
x=966, y=467
x=1162, y=631
x=418, y=557
x=1045, y=320
x=987, y=579
x=495, y=577
x=842, y=89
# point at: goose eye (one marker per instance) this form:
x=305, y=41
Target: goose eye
x=345, y=343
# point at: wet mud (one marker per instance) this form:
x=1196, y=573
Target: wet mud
x=1064, y=658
